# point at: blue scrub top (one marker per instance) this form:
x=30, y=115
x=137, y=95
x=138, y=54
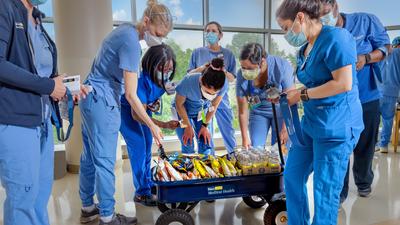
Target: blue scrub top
x=189, y=87
x=280, y=74
x=119, y=51
x=391, y=74
x=43, y=60
x=370, y=35
x=201, y=56
x=147, y=91
x=336, y=117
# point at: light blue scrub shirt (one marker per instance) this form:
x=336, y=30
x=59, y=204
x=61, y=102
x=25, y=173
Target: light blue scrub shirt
x=390, y=68
x=280, y=74
x=120, y=51
x=370, y=35
x=189, y=87
x=336, y=117
x=43, y=60
x=203, y=55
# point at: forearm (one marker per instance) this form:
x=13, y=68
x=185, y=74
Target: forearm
x=243, y=113
x=376, y=56
x=328, y=89
x=15, y=76
x=139, y=112
x=183, y=114
x=197, y=70
x=155, y=121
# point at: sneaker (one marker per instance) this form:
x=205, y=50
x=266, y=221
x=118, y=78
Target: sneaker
x=87, y=217
x=119, y=219
x=365, y=193
x=384, y=149
x=146, y=200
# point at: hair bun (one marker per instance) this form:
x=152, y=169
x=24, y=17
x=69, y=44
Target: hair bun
x=151, y=3
x=217, y=63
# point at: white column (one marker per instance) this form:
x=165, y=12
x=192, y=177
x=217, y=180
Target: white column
x=80, y=27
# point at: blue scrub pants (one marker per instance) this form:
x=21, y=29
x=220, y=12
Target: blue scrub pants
x=364, y=151
x=388, y=110
x=224, y=120
x=203, y=148
x=100, y=126
x=26, y=173
x=138, y=139
x=259, y=126
x=329, y=160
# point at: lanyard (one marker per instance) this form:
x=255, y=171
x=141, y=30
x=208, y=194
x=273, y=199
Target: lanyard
x=58, y=121
x=292, y=121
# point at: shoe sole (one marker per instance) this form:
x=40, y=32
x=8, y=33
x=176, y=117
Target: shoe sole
x=85, y=220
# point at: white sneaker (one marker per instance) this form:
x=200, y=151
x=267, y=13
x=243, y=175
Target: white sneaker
x=384, y=149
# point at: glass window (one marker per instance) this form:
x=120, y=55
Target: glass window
x=188, y=12
x=47, y=8
x=280, y=47
x=235, y=41
x=122, y=10
x=238, y=13
x=274, y=6
x=385, y=10
x=49, y=27
x=393, y=34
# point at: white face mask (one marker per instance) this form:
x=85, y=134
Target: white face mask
x=208, y=96
x=151, y=40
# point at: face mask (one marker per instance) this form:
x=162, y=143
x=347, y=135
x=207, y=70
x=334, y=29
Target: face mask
x=329, y=19
x=151, y=40
x=38, y=2
x=250, y=74
x=166, y=76
x=208, y=96
x=211, y=38
x=296, y=40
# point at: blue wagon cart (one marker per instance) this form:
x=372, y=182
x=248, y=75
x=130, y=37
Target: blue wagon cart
x=177, y=199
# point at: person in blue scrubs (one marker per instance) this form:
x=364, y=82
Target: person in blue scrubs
x=390, y=88
x=332, y=121
x=114, y=72
x=28, y=85
x=371, y=38
x=197, y=99
x=199, y=60
x=158, y=69
x=258, y=70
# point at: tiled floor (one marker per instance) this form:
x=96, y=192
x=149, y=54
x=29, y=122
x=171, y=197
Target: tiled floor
x=382, y=208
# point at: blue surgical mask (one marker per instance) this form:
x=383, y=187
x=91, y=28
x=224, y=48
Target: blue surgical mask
x=329, y=19
x=211, y=38
x=296, y=40
x=38, y=2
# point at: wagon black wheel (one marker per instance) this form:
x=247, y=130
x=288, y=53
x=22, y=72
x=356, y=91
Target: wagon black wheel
x=175, y=216
x=276, y=213
x=165, y=207
x=255, y=201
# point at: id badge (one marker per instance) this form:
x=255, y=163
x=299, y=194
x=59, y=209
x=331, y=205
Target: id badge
x=254, y=102
x=199, y=115
x=174, y=114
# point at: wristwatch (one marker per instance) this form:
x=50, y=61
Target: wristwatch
x=204, y=124
x=367, y=58
x=304, y=95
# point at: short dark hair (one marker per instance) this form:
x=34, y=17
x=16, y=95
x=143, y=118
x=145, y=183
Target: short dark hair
x=214, y=78
x=289, y=8
x=216, y=24
x=254, y=52
x=158, y=55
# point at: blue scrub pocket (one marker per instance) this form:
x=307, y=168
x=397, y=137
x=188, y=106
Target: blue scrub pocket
x=329, y=123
